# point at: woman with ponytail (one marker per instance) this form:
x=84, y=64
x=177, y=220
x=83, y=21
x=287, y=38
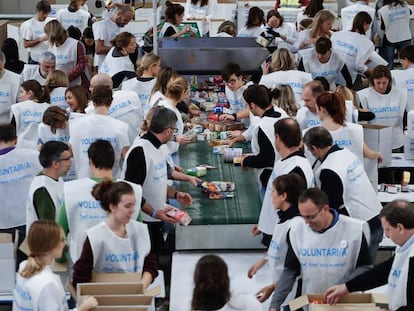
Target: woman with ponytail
x=331, y=110
x=37, y=287
x=212, y=288
x=119, y=243
x=147, y=70
x=28, y=112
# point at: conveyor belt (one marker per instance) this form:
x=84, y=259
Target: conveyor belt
x=219, y=223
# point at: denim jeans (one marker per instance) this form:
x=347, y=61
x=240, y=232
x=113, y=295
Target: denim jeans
x=388, y=49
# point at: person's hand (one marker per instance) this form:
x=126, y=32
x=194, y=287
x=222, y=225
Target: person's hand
x=44, y=38
x=264, y=294
x=194, y=180
x=226, y=117
x=178, y=168
x=162, y=215
x=379, y=157
x=182, y=140
x=333, y=294
x=88, y=303
x=253, y=270
x=255, y=230
x=184, y=198
x=265, y=68
x=233, y=134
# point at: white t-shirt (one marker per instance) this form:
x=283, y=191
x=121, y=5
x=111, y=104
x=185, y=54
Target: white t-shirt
x=142, y=88
x=397, y=22
x=86, y=130
x=113, y=65
x=104, y=30
x=18, y=167
x=42, y=291
x=356, y=48
x=296, y=79
x=33, y=29
x=9, y=90
x=250, y=32
x=28, y=115
x=405, y=79
x=78, y=19
x=348, y=13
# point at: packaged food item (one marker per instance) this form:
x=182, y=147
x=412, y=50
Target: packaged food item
x=231, y=153
x=197, y=171
x=182, y=216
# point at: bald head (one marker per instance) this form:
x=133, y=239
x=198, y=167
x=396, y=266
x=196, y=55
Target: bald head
x=100, y=79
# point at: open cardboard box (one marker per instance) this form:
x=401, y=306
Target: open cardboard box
x=118, y=291
x=351, y=302
x=7, y=263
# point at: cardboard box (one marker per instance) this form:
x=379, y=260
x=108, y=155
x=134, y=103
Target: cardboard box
x=351, y=302
x=112, y=295
x=379, y=138
x=7, y=263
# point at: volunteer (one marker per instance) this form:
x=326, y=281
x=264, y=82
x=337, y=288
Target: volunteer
x=288, y=139
x=9, y=90
x=47, y=64
x=37, y=287
x=73, y=15
x=387, y=102
x=201, y=9
x=119, y=243
x=285, y=192
x=323, y=248
x=174, y=16
x=54, y=126
x=403, y=78
x=307, y=116
x=397, y=219
x=212, y=288
x=56, y=84
x=349, y=12
x=147, y=70
x=254, y=25
x=286, y=31
x=28, y=112
x=117, y=63
x=342, y=177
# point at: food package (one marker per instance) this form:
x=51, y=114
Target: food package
x=182, y=216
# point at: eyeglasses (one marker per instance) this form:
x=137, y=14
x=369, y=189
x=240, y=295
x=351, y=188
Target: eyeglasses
x=231, y=81
x=65, y=159
x=311, y=217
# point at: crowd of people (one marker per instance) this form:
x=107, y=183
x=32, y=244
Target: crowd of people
x=91, y=127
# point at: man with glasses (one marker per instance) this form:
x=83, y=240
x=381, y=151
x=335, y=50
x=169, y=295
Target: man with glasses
x=146, y=164
x=46, y=190
x=342, y=177
x=397, y=219
x=324, y=248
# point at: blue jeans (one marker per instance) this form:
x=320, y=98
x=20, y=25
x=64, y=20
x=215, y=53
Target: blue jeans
x=388, y=49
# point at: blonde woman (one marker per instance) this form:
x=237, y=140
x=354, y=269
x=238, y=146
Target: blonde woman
x=70, y=53
x=147, y=70
x=284, y=72
x=177, y=89
x=321, y=27
x=286, y=100
x=37, y=287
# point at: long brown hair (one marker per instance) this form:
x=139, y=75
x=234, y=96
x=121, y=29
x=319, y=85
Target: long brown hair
x=211, y=284
x=44, y=236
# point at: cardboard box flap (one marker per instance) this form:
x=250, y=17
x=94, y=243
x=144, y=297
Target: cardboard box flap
x=124, y=300
x=6, y=238
x=116, y=277
x=356, y=301
x=110, y=288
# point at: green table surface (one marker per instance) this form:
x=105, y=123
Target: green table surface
x=243, y=208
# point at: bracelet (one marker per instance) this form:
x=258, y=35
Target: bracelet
x=154, y=213
x=175, y=195
x=234, y=116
